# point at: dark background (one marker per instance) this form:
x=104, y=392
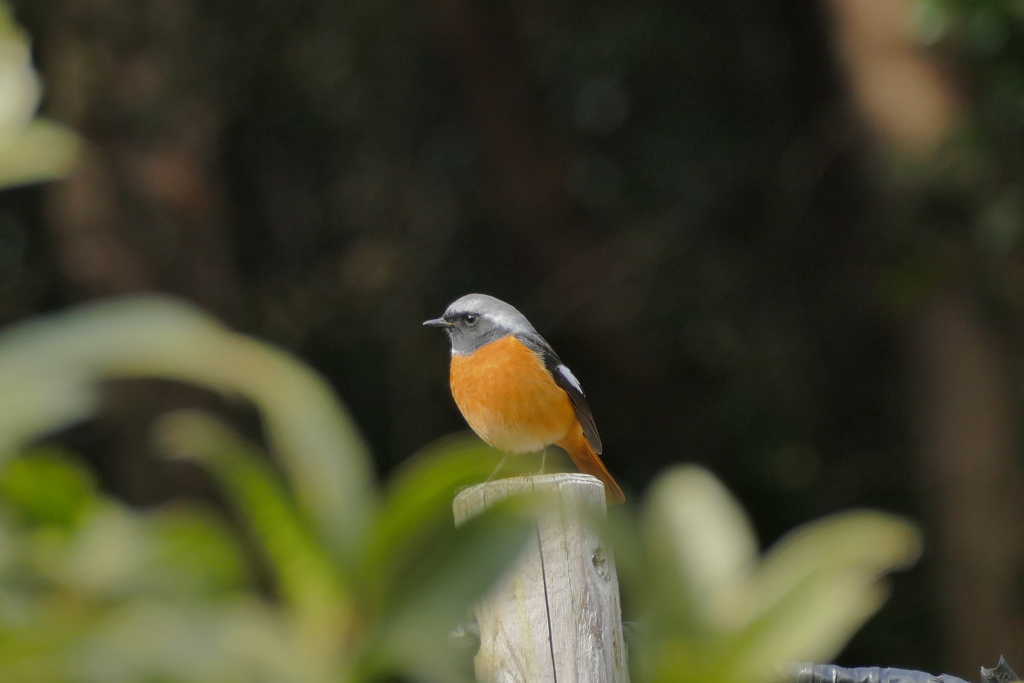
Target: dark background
x=696, y=203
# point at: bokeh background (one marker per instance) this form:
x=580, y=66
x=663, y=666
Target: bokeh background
x=780, y=239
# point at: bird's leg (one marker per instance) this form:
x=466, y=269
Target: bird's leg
x=500, y=464
x=543, y=459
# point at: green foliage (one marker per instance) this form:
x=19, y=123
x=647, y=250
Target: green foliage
x=713, y=611
x=365, y=586
x=47, y=488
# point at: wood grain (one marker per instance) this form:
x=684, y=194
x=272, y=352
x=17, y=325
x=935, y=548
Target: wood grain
x=557, y=617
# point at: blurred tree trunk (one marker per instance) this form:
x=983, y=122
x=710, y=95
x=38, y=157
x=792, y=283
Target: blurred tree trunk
x=965, y=401
x=970, y=481
x=144, y=209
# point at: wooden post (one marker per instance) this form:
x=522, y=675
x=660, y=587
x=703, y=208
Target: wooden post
x=556, y=618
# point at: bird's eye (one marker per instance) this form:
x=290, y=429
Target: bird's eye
x=470, y=319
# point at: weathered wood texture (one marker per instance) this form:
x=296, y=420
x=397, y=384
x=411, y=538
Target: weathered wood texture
x=557, y=617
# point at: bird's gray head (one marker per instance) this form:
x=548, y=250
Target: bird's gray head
x=477, y=319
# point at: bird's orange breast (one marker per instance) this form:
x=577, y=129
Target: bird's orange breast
x=509, y=398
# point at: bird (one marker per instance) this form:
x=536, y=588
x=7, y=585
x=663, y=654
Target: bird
x=514, y=390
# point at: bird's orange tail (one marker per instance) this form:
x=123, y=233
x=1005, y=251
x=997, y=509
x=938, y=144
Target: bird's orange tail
x=588, y=462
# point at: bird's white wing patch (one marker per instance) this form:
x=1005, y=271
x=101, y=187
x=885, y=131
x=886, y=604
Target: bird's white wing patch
x=567, y=373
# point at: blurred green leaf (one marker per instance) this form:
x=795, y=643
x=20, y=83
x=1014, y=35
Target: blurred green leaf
x=416, y=515
x=811, y=622
x=712, y=551
x=148, y=336
x=43, y=151
x=194, y=550
x=107, y=558
x=30, y=151
x=37, y=652
x=20, y=90
x=817, y=585
x=147, y=640
x=46, y=486
x=866, y=541
x=422, y=574
x=36, y=403
x=416, y=630
x=307, y=579
x=717, y=613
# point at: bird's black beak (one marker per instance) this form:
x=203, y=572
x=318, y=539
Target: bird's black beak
x=437, y=322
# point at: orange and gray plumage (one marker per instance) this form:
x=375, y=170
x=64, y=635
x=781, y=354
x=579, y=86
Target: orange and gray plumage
x=513, y=389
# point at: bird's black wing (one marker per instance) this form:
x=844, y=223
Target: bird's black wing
x=566, y=380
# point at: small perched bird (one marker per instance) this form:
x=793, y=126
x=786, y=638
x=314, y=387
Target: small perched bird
x=514, y=391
